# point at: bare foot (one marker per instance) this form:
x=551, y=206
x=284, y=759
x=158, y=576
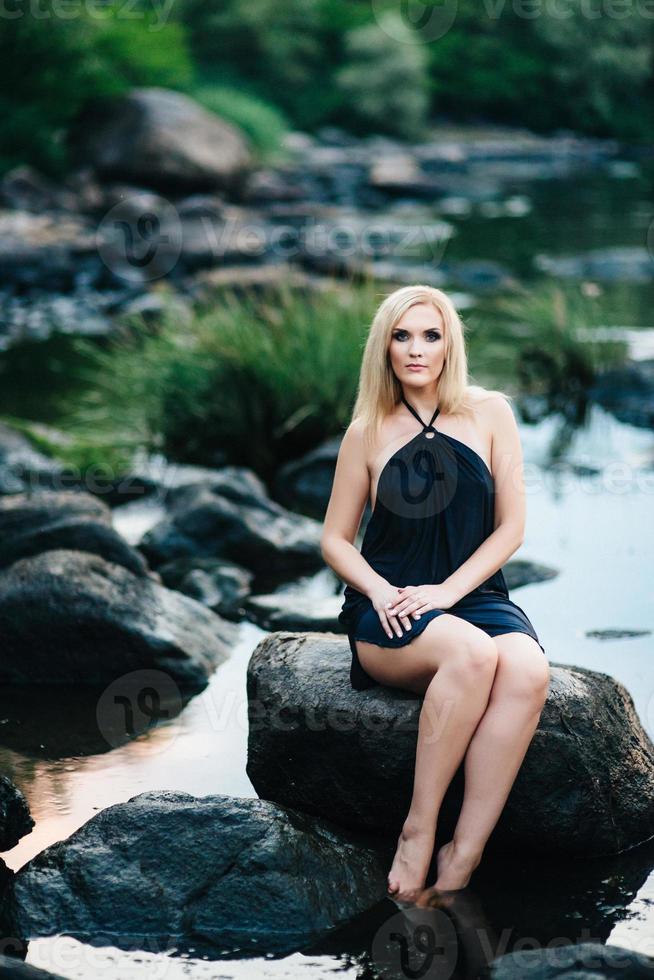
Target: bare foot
x=411, y=862
x=455, y=866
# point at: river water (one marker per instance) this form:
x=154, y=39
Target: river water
x=590, y=495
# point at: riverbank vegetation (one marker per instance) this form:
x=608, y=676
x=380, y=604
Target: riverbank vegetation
x=259, y=381
x=305, y=65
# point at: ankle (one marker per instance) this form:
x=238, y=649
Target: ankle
x=413, y=827
x=467, y=851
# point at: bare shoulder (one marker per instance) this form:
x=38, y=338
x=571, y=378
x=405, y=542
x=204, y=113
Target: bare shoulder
x=353, y=435
x=492, y=409
x=352, y=447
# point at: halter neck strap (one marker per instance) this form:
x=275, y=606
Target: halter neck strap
x=414, y=413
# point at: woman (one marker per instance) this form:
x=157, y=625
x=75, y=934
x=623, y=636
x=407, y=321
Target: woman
x=448, y=511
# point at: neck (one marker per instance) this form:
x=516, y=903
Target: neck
x=424, y=400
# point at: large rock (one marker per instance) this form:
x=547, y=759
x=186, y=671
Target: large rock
x=576, y=961
x=15, y=817
x=299, y=613
x=35, y=522
x=221, y=585
x=213, y=871
x=231, y=517
x=586, y=785
x=69, y=617
x=160, y=138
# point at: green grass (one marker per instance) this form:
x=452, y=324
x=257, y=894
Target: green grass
x=262, y=380
x=259, y=380
x=540, y=340
x=262, y=123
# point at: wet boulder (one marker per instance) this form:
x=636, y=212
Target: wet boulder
x=69, y=617
x=232, y=517
x=36, y=522
x=593, y=961
x=269, y=879
x=586, y=785
x=221, y=585
x=15, y=817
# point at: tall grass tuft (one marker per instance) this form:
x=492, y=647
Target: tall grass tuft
x=255, y=380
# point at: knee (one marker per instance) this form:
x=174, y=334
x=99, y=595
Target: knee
x=537, y=680
x=530, y=683
x=475, y=659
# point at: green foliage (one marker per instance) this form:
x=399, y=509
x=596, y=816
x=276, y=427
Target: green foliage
x=52, y=65
x=603, y=66
x=263, y=380
x=547, y=338
x=264, y=124
x=281, y=47
x=384, y=83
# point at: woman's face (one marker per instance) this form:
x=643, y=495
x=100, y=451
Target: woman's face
x=418, y=339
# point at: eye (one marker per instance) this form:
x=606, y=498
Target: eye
x=431, y=335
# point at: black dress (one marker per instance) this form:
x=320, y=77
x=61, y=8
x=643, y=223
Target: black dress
x=434, y=507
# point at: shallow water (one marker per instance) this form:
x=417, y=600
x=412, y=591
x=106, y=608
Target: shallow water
x=590, y=492
x=594, y=528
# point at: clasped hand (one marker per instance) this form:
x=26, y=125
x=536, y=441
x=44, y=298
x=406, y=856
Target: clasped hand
x=411, y=600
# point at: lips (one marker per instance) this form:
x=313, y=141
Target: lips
x=416, y=367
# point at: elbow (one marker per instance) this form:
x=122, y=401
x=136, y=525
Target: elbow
x=324, y=548
x=516, y=534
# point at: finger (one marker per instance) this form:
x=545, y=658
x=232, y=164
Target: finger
x=394, y=623
x=406, y=606
x=390, y=620
x=424, y=607
x=384, y=621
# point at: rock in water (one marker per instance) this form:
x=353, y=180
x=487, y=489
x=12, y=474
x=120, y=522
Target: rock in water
x=214, y=870
x=15, y=817
x=586, y=784
x=34, y=522
x=67, y=617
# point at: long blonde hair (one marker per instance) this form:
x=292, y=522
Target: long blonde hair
x=380, y=391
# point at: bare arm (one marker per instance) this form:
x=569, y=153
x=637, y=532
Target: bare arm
x=344, y=512
x=510, y=507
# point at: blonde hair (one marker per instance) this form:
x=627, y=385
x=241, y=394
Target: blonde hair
x=379, y=389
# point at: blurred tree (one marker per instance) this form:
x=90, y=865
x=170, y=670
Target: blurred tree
x=384, y=83
x=279, y=48
x=602, y=69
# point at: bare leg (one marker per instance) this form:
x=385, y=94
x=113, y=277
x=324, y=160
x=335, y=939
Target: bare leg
x=455, y=699
x=495, y=754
